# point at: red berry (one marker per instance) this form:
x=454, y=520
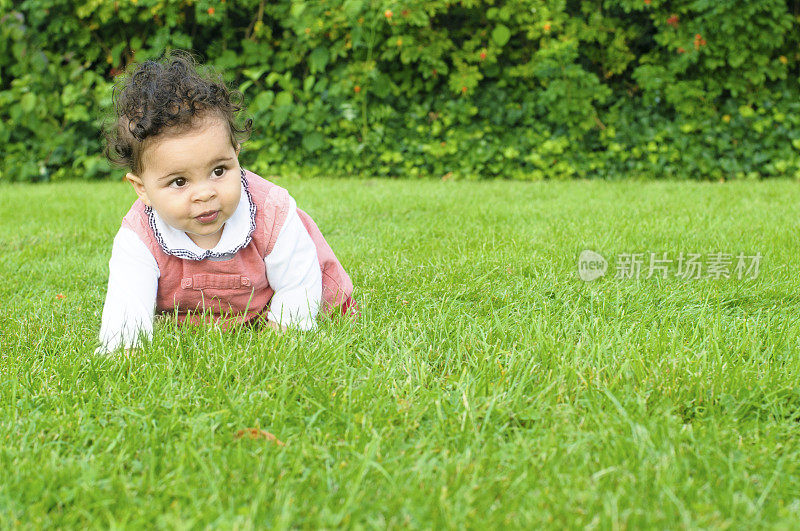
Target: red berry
x=483, y=56
x=681, y=50
x=463, y=90
x=673, y=20
x=647, y=2
x=405, y=12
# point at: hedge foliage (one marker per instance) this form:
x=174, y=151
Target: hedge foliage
x=522, y=89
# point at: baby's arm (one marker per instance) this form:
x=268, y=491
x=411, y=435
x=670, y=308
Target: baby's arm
x=131, y=296
x=293, y=272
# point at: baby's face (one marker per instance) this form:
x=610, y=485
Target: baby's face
x=192, y=180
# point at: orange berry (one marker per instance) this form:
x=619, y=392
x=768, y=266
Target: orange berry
x=357, y=89
x=681, y=50
x=388, y=13
x=210, y=10
x=483, y=56
x=463, y=90
x=547, y=26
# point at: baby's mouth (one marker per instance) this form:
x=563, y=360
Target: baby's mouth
x=208, y=217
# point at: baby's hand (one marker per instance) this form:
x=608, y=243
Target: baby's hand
x=277, y=327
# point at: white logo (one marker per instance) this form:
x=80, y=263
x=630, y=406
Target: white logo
x=591, y=265
x=717, y=265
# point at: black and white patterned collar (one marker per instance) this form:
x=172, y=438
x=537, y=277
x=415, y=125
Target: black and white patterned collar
x=236, y=235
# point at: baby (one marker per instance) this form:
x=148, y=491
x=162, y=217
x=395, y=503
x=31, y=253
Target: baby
x=206, y=241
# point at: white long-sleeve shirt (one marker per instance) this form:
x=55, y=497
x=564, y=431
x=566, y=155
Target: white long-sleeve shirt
x=293, y=273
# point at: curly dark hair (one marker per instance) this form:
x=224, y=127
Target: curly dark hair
x=170, y=93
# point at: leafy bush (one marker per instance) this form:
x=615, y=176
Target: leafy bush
x=523, y=89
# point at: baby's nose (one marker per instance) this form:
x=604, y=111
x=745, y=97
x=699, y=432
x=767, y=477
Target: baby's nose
x=205, y=192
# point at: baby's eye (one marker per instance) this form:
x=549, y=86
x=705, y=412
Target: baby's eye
x=180, y=182
x=219, y=171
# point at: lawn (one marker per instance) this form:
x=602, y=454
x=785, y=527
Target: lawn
x=485, y=384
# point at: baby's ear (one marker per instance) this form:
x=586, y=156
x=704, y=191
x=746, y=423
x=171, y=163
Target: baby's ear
x=138, y=187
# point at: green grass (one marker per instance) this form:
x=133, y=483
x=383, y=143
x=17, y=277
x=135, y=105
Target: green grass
x=485, y=383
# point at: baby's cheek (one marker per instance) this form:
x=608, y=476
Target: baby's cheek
x=234, y=199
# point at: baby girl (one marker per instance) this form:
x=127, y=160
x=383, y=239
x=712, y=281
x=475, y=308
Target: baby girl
x=206, y=241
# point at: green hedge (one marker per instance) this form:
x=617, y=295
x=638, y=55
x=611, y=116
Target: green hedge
x=520, y=89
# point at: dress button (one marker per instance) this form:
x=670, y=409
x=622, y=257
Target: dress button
x=186, y=283
x=245, y=281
